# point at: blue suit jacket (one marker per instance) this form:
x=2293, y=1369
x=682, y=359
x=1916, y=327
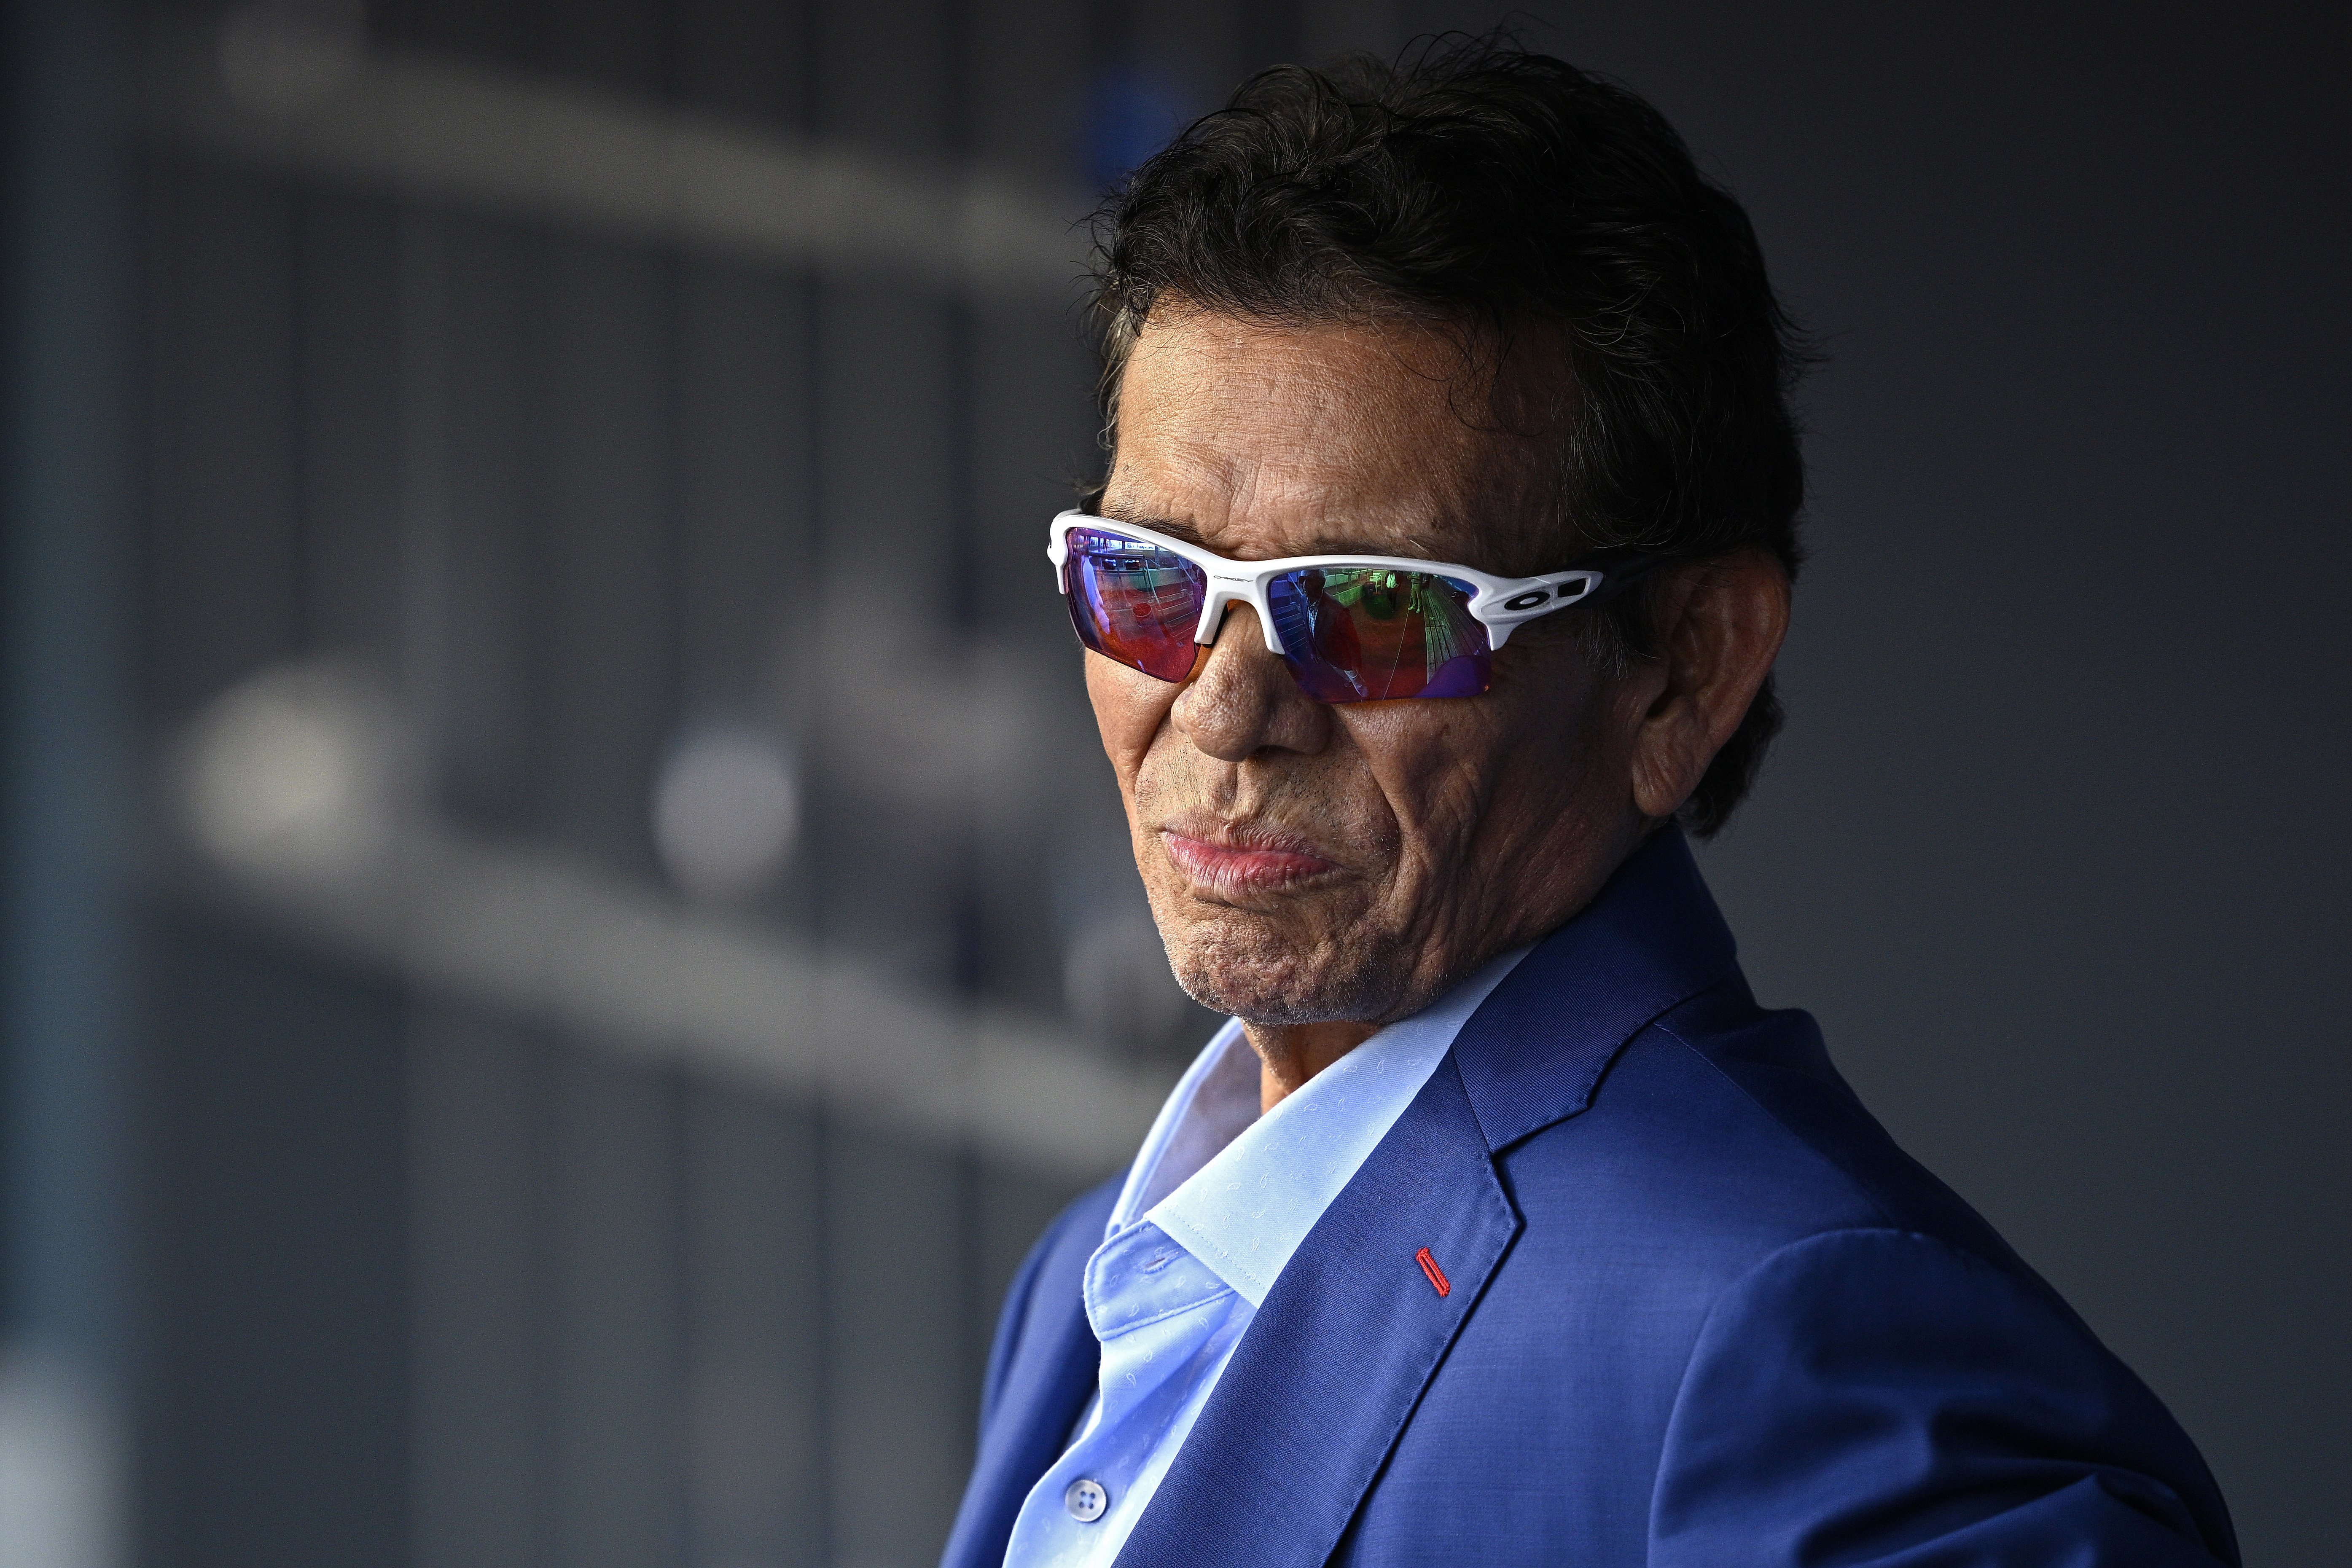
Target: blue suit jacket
x=1702, y=1310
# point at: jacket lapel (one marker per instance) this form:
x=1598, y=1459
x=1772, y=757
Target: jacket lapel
x=1338, y=1355
x=1535, y=1051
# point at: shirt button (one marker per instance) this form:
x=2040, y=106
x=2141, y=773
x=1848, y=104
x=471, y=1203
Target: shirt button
x=1086, y=1500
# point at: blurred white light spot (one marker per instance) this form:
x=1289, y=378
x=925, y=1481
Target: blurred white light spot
x=288, y=56
x=293, y=771
x=726, y=810
x=61, y=1504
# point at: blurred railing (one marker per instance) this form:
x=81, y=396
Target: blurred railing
x=290, y=789
x=302, y=91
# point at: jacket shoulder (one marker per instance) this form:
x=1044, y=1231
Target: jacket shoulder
x=1888, y=1389
x=1726, y=1127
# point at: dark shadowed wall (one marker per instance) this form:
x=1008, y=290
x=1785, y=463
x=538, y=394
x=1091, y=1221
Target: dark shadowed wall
x=2051, y=844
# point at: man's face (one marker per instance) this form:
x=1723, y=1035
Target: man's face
x=1310, y=863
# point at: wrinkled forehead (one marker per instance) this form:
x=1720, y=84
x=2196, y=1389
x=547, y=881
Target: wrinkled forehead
x=1263, y=440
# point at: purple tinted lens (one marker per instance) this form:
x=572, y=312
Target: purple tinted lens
x=1134, y=602
x=1353, y=634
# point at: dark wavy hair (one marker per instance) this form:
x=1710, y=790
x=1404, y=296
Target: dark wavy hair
x=1512, y=196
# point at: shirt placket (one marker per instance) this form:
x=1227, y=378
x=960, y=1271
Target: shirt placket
x=1157, y=1311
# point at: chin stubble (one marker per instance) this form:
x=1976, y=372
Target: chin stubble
x=1260, y=979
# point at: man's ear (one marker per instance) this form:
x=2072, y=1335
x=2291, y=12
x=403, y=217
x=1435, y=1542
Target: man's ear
x=1719, y=628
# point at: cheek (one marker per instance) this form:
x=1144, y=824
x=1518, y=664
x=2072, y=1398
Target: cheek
x=1428, y=760
x=1446, y=769
x=1130, y=709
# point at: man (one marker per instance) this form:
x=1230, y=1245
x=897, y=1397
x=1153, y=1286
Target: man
x=1501, y=1225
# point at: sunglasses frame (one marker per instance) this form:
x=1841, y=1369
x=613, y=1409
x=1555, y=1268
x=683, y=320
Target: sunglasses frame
x=1501, y=604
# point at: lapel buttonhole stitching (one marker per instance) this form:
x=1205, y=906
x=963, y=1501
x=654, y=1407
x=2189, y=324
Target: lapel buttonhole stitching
x=1437, y=1280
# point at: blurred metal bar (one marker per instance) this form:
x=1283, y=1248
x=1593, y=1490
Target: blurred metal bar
x=603, y=162
x=624, y=967
x=70, y=792
x=480, y=1243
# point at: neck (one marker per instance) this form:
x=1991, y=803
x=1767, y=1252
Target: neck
x=1290, y=1055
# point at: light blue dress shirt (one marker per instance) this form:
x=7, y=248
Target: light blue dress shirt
x=1217, y=1200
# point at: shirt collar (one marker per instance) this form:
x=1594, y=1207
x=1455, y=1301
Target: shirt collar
x=1239, y=1190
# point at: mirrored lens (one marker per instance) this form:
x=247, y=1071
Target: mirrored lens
x=1364, y=635
x=1134, y=601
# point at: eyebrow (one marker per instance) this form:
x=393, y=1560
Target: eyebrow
x=1191, y=535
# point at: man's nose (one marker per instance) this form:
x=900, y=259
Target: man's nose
x=1245, y=701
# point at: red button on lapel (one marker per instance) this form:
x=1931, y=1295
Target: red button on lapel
x=1436, y=1275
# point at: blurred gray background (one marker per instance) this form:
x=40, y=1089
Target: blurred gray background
x=563, y=927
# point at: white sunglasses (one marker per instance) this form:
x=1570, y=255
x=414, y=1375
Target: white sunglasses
x=1352, y=628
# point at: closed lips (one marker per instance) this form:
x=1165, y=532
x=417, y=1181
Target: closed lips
x=1242, y=863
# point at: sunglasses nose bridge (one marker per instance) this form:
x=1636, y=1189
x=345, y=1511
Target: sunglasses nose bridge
x=1226, y=591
